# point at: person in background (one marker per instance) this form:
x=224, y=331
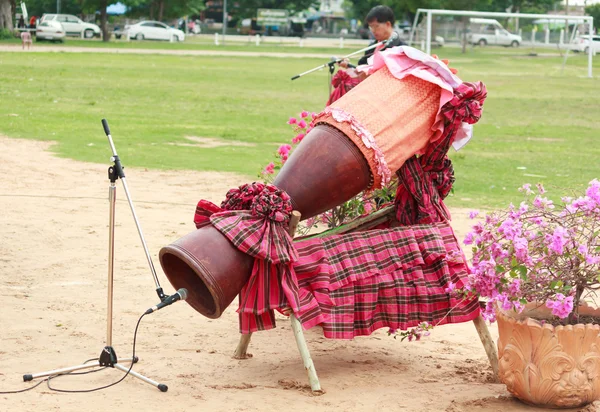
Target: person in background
x=381, y=24
x=32, y=22
x=21, y=23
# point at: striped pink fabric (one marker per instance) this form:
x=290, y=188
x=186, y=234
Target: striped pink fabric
x=354, y=284
x=254, y=217
x=424, y=181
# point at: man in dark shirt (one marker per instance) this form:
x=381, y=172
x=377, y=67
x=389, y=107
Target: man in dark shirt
x=381, y=23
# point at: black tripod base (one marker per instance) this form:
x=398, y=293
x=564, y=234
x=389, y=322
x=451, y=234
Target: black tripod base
x=108, y=357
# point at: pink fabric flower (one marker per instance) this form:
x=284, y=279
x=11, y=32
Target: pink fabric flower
x=272, y=203
x=467, y=103
x=241, y=198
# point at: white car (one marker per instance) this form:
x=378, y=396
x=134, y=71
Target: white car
x=153, y=30
x=490, y=32
x=582, y=44
x=50, y=30
x=73, y=25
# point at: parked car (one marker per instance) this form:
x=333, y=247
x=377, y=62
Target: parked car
x=582, y=44
x=490, y=31
x=50, y=30
x=73, y=25
x=153, y=30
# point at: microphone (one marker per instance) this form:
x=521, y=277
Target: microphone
x=181, y=294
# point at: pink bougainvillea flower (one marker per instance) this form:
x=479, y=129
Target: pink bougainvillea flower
x=450, y=288
x=270, y=169
x=292, y=120
x=473, y=214
x=541, y=189
x=526, y=188
x=298, y=138
x=302, y=124
x=304, y=114
x=558, y=240
x=284, y=150
x=562, y=306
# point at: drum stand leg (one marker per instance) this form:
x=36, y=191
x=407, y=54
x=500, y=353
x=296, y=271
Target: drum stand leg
x=488, y=344
x=242, y=348
x=241, y=352
x=108, y=356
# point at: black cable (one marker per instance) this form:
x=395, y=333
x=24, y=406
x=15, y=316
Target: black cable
x=24, y=390
x=105, y=386
x=83, y=373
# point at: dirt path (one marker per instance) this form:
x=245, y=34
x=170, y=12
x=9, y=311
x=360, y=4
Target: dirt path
x=53, y=271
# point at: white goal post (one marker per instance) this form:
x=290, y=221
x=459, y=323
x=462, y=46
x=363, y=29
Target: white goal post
x=430, y=12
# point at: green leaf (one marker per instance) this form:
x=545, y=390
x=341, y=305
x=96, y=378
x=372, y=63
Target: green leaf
x=523, y=301
x=500, y=269
x=523, y=271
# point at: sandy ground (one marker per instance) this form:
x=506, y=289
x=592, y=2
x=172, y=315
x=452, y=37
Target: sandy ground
x=53, y=286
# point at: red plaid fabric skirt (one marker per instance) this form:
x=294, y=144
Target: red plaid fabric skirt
x=354, y=284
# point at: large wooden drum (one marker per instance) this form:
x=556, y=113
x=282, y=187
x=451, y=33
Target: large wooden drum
x=325, y=170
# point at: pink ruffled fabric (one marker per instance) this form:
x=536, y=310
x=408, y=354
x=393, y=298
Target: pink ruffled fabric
x=405, y=61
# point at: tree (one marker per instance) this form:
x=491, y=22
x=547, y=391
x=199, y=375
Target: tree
x=594, y=11
x=6, y=21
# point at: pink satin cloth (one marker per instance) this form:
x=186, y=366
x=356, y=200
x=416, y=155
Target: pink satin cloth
x=396, y=112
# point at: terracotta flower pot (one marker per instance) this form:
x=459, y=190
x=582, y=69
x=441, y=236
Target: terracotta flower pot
x=544, y=365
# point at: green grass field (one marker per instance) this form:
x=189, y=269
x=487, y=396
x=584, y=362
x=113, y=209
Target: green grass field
x=539, y=124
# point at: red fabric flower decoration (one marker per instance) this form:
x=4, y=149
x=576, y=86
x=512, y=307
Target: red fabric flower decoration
x=272, y=204
x=467, y=103
x=342, y=83
x=242, y=197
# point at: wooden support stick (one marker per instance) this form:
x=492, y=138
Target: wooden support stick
x=241, y=352
x=313, y=379
x=294, y=220
x=488, y=344
x=297, y=327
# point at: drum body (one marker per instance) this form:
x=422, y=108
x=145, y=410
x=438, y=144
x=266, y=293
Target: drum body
x=325, y=170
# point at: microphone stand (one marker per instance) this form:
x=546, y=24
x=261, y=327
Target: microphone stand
x=108, y=356
x=331, y=64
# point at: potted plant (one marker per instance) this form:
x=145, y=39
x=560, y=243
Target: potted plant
x=537, y=267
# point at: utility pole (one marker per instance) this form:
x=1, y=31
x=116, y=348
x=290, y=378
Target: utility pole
x=224, y=20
